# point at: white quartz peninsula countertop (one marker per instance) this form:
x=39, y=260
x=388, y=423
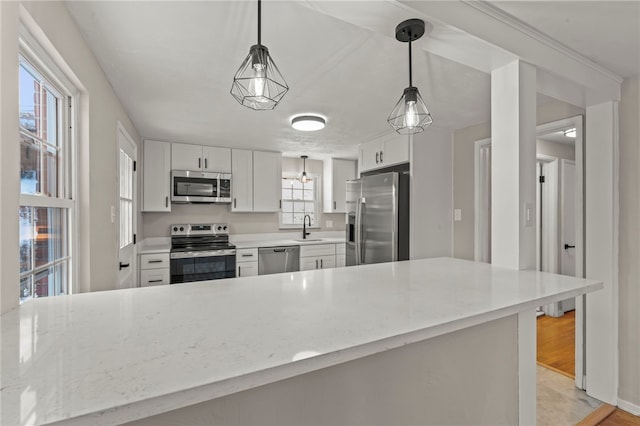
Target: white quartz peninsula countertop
x=116, y=356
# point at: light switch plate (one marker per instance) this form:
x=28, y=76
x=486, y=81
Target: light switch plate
x=457, y=215
x=113, y=214
x=528, y=215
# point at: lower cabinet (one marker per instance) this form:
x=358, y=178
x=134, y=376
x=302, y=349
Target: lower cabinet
x=341, y=255
x=247, y=262
x=154, y=269
x=317, y=256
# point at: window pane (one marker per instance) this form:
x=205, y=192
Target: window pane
x=29, y=94
x=50, y=118
x=287, y=206
x=287, y=218
x=298, y=207
x=309, y=207
x=286, y=183
x=308, y=194
x=29, y=165
x=296, y=184
x=297, y=218
x=26, y=241
x=49, y=183
x=287, y=194
x=309, y=185
x=297, y=194
x=50, y=244
x=26, y=290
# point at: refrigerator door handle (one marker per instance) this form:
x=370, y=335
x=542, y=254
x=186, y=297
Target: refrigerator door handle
x=363, y=230
x=357, y=231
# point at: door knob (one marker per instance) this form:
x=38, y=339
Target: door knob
x=567, y=246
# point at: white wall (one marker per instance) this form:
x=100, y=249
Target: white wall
x=157, y=224
x=432, y=193
x=100, y=110
x=463, y=171
x=629, y=315
x=556, y=149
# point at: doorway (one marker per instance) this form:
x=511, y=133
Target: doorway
x=560, y=154
x=127, y=155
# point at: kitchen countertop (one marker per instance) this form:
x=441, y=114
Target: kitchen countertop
x=276, y=243
x=116, y=356
x=155, y=245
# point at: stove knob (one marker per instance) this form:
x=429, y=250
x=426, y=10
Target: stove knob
x=175, y=229
x=181, y=228
x=219, y=228
x=224, y=227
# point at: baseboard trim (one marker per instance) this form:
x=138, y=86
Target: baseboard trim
x=597, y=416
x=629, y=407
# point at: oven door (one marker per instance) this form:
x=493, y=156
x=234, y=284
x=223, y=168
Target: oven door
x=202, y=265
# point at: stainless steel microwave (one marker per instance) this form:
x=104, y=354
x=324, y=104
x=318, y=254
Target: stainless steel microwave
x=200, y=187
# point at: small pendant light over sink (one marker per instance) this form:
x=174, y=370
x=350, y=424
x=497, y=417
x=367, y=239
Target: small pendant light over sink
x=303, y=177
x=410, y=115
x=258, y=83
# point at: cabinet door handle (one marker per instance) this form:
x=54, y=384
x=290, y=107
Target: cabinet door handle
x=155, y=281
x=239, y=271
x=206, y=162
x=199, y=163
x=156, y=261
x=335, y=205
x=316, y=263
x=280, y=204
x=247, y=255
x=377, y=157
x=234, y=203
x=166, y=201
x=381, y=157
x=321, y=264
x=124, y=265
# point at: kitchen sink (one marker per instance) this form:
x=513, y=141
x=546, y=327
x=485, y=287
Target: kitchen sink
x=308, y=240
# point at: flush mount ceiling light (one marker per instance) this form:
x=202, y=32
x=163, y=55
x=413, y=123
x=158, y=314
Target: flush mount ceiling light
x=410, y=115
x=571, y=133
x=308, y=123
x=258, y=83
x=303, y=177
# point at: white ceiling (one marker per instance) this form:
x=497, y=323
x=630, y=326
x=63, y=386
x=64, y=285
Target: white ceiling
x=172, y=63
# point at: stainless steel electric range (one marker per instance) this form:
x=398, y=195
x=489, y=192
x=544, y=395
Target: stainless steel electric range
x=201, y=252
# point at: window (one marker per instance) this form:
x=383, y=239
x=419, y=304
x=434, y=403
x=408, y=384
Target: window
x=298, y=199
x=46, y=206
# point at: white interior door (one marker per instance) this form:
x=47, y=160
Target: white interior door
x=127, y=209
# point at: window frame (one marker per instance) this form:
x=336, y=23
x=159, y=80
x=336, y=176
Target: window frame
x=39, y=62
x=316, y=201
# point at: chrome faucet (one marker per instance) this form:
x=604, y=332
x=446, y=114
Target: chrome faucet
x=304, y=226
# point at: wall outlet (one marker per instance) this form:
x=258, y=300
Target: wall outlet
x=328, y=224
x=457, y=215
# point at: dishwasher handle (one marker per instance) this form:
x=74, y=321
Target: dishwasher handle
x=279, y=250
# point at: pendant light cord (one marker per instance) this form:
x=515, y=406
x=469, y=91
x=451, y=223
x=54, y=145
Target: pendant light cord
x=259, y=22
x=410, y=73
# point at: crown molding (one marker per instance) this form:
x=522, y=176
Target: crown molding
x=507, y=19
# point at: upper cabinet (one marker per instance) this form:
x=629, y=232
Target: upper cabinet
x=384, y=153
x=336, y=173
x=200, y=158
x=267, y=178
x=242, y=181
x=156, y=169
x=256, y=185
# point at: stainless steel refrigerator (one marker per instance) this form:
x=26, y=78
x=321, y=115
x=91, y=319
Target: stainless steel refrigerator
x=378, y=218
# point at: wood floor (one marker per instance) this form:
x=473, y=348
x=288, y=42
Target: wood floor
x=556, y=343
x=556, y=351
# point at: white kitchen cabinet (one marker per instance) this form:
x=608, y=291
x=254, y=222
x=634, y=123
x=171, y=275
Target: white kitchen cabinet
x=242, y=181
x=383, y=153
x=200, y=158
x=336, y=173
x=247, y=262
x=216, y=159
x=341, y=255
x=154, y=269
x=267, y=181
x=247, y=269
x=317, y=256
x=156, y=176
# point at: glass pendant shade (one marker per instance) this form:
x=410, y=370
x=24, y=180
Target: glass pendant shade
x=258, y=83
x=304, y=178
x=410, y=115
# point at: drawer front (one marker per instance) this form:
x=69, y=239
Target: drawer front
x=149, y=277
x=247, y=255
x=318, y=250
x=327, y=262
x=341, y=248
x=154, y=261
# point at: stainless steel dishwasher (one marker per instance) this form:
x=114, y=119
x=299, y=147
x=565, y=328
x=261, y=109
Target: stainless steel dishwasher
x=273, y=260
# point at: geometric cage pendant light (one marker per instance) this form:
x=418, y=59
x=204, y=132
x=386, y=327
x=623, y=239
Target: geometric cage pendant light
x=410, y=115
x=258, y=83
